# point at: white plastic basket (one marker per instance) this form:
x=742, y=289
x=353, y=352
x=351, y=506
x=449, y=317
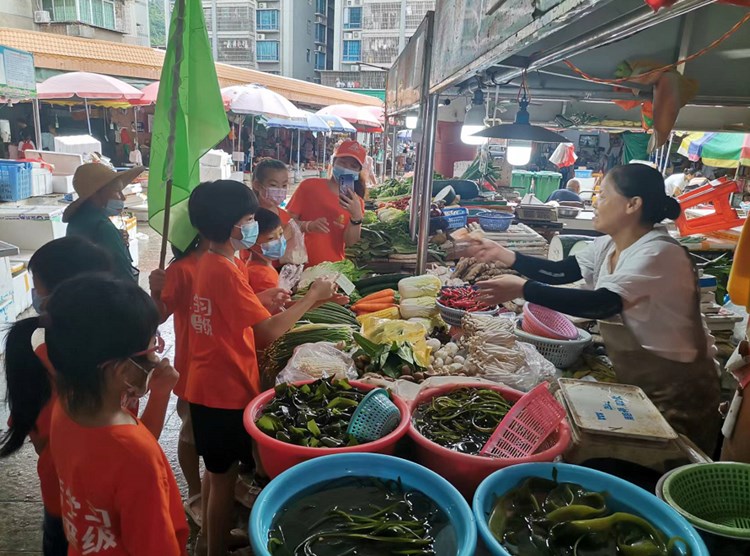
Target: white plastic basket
x=561, y=353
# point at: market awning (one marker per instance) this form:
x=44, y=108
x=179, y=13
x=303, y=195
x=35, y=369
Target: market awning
x=65, y=53
x=721, y=150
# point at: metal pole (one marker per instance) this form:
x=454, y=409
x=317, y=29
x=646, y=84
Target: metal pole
x=37, y=124
x=88, y=118
x=669, y=151
x=428, y=149
x=402, y=28
x=166, y=22
x=416, y=190
x=394, y=151
x=214, y=34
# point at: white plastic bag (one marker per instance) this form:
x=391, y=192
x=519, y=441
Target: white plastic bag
x=289, y=276
x=296, y=252
x=535, y=370
x=317, y=360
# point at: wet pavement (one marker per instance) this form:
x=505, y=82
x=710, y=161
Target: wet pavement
x=20, y=497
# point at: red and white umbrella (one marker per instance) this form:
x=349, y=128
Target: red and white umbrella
x=151, y=92
x=257, y=100
x=358, y=116
x=86, y=86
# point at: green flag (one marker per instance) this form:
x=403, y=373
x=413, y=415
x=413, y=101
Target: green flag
x=189, y=120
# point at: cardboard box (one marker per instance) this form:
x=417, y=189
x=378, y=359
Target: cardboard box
x=30, y=227
x=21, y=290
x=62, y=184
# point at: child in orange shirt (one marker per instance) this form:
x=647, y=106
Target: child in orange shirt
x=227, y=322
x=269, y=248
x=118, y=494
x=270, y=183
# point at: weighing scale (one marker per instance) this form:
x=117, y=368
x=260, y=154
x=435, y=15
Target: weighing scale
x=618, y=421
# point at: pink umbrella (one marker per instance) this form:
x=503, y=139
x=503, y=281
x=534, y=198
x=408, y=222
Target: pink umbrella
x=86, y=86
x=151, y=92
x=378, y=112
x=358, y=116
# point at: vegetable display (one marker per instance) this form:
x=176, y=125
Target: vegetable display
x=491, y=345
x=463, y=298
x=359, y=515
x=378, y=301
x=314, y=415
x=331, y=313
x=462, y=420
x=328, y=270
x=392, y=188
x=542, y=517
x=276, y=356
x=392, y=359
x=374, y=284
x=470, y=270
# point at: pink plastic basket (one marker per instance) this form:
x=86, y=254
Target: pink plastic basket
x=547, y=323
x=526, y=426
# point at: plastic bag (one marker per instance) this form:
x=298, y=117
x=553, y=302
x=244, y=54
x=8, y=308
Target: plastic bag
x=317, y=360
x=382, y=331
x=290, y=275
x=535, y=370
x=296, y=252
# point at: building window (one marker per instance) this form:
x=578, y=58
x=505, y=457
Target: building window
x=352, y=51
x=267, y=51
x=320, y=7
x=309, y=27
x=267, y=20
x=98, y=13
x=353, y=18
x=320, y=60
x=308, y=56
x=320, y=33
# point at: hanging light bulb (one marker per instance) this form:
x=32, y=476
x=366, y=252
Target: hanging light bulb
x=474, y=121
x=518, y=152
x=411, y=122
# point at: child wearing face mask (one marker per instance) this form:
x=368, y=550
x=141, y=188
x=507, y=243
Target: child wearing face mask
x=270, y=183
x=116, y=490
x=228, y=325
x=269, y=248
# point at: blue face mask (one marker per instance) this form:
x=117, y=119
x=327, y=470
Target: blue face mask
x=274, y=249
x=37, y=301
x=114, y=207
x=249, y=236
x=339, y=171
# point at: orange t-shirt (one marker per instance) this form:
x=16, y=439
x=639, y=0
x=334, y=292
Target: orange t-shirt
x=177, y=296
x=312, y=200
x=285, y=218
x=261, y=276
x=119, y=496
x=223, y=363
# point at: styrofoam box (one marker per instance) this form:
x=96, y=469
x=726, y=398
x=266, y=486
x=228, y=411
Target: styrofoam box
x=21, y=291
x=77, y=144
x=211, y=173
x=30, y=227
x=216, y=158
x=41, y=182
x=62, y=184
x=64, y=164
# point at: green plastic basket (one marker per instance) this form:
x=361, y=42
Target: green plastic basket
x=714, y=497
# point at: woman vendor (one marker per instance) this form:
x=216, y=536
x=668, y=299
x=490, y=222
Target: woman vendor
x=331, y=216
x=641, y=286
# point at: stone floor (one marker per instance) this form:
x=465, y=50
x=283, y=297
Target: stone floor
x=20, y=499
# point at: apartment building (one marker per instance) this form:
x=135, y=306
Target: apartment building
x=369, y=35
x=124, y=21
x=235, y=30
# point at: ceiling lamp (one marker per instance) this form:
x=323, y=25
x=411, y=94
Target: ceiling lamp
x=411, y=121
x=474, y=121
x=518, y=152
x=521, y=130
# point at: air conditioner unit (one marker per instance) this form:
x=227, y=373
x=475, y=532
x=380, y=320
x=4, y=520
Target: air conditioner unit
x=356, y=35
x=348, y=36
x=262, y=5
x=260, y=37
x=42, y=16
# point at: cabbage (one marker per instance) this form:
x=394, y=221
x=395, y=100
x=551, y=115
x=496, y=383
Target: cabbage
x=388, y=215
x=419, y=286
x=424, y=307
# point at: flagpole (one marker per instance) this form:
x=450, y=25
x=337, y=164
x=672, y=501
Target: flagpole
x=178, y=31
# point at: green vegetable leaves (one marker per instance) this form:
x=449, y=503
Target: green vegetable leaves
x=387, y=359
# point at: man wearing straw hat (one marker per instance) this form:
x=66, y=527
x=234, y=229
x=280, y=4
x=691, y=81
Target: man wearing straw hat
x=99, y=190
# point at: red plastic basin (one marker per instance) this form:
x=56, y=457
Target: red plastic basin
x=466, y=471
x=277, y=456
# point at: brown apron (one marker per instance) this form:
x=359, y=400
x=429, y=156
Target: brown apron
x=687, y=394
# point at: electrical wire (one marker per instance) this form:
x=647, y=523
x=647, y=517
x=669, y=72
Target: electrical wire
x=662, y=69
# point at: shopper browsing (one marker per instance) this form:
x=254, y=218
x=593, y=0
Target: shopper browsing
x=116, y=487
x=270, y=183
x=330, y=211
x=641, y=286
x=228, y=325
x=269, y=248
x=100, y=196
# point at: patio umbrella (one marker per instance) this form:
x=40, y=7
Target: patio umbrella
x=358, y=116
x=86, y=86
x=256, y=100
x=337, y=124
x=312, y=122
x=721, y=150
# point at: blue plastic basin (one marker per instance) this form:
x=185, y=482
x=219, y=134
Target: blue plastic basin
x=623, y=496
x=299, y=478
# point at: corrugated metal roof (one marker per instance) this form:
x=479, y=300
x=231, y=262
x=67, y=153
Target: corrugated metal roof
x=60, y=52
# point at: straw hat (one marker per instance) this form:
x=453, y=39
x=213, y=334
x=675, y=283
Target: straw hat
x=91, y=178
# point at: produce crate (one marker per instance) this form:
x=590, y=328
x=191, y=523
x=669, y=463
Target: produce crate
x=546, y=184
x=521, y=181
x=15, y=180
